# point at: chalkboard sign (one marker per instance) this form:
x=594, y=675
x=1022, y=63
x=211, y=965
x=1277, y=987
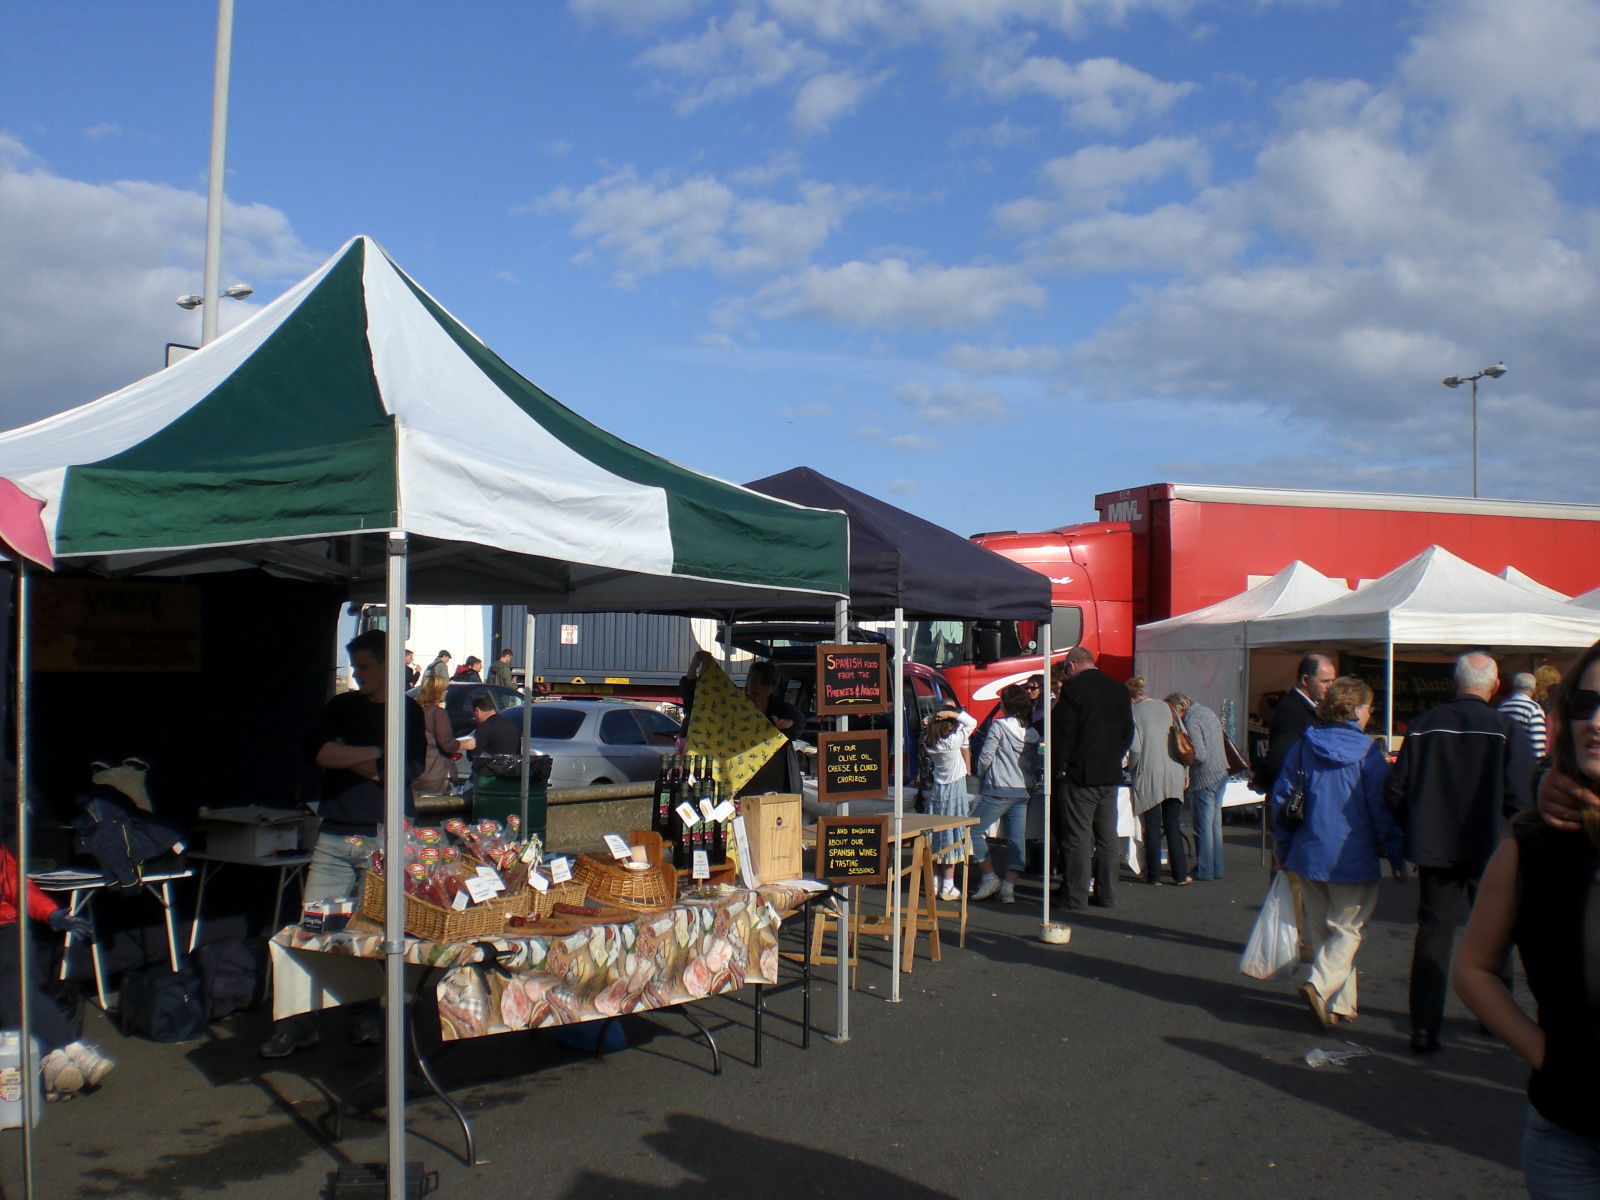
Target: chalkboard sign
x=852, y=679
x=853, y=765
x=853, y=849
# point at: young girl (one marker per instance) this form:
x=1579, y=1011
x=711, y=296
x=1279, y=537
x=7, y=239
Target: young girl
x=944, y=746
x=1541, y=892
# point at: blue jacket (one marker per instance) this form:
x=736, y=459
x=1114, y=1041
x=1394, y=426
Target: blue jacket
x=1347, y=825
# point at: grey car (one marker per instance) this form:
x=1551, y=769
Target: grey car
x=599, y=741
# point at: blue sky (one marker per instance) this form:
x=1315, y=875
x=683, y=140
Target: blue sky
x=982, y=258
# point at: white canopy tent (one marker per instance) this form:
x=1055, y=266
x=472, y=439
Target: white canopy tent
x=1522, y=579
x=1590, y=599
x=1435, y=601
x=1204, y=655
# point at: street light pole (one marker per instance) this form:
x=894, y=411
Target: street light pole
x=1494, y=371
x=219, y=148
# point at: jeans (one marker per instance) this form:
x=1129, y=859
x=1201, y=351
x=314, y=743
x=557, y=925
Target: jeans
x=1207, y=804
x=1558, y=1164
x=1091, y=828
x=1164, y=818
x=1012, y=812
x=337, y=863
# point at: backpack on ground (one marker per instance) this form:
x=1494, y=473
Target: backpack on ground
x=232, y=976
x=163, y=1005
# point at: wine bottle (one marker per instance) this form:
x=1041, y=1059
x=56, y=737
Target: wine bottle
x=660, y=814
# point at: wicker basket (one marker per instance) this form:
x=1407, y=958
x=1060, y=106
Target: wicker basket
x=609, y=882
x=435, y=924
x=539, y=905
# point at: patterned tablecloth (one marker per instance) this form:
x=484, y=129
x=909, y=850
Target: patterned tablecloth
x=695, y=949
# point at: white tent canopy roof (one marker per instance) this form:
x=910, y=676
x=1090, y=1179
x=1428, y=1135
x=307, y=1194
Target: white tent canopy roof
x=1522, y=579
x=1435, y=599
x=1589, y=599
x=1221, y=626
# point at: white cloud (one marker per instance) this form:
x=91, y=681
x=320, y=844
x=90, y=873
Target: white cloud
x=1097, y=93
x=949, y=403
x=892, y=294
x=825, y=98
x=1002, y=360
x=635, y=15
x=903, y=487
x=732, y=58
x=105, y=129
x=652, y=225
x=92, y=271
x=911, y=441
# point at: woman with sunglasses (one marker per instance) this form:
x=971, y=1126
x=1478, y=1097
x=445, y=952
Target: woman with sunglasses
x=1539, y=893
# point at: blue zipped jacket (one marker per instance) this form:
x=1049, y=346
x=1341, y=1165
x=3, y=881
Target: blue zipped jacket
x=1348, y=825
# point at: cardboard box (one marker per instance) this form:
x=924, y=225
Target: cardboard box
x=772, y=823
x=255, y=832
x=328, y=915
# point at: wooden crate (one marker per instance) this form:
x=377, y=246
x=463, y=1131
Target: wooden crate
x=772, y=823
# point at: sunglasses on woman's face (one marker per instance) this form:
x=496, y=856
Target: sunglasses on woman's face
x=1582, y=704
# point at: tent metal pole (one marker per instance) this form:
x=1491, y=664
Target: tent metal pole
x=24, y=947
x=528, y=630
x=897, y=757
x=394, y=912
x=1044, y=772
x=1388, y=704
x=841, y=634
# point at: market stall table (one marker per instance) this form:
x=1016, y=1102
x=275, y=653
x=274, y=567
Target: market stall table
x=289, y=867
x=579, y=969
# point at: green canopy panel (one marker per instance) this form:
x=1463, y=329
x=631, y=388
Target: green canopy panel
x=355, y=404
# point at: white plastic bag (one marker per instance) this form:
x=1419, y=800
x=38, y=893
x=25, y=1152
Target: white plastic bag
x=1274, y=944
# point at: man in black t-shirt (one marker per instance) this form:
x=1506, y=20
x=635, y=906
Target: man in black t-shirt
x=347, y=743
x=495, y=734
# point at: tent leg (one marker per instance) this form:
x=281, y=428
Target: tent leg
x=897, y=757
x=394, y=920
x=24, y=946
x=841, y=634
x=1044, y=770
x=528, y=629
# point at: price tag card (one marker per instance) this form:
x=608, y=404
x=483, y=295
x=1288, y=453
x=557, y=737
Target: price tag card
x=723, y=811
x=702, y=865
x=618, y=847
x=560, y=869
x=705, y=807
x=538, y=882
x=493, y=876
x=481, y=889
x=460, y=902
x=687, y=814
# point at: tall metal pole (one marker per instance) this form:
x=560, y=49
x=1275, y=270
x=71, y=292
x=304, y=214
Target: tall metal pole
x=394, y=850
x=1045, y=630
x=529, y=628
x=24, y=946
x=1474, y=437
x=212, y=288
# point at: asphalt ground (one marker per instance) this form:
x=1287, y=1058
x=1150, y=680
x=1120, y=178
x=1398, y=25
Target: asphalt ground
x=1134, y=1061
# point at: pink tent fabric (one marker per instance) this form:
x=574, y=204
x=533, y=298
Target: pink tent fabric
x=22, y=525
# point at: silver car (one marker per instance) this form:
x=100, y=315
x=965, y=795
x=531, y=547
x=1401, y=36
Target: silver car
x=598, y=741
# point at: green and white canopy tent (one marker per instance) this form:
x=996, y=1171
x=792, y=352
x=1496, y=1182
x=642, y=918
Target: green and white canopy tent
x=354, y=406
x=355, y=432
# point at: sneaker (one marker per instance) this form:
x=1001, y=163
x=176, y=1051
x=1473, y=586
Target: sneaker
x=989, y=886
x=91, y=1064
x=949, y=892
x=60, y=1074
x=1008, y=893
x=287, y=1038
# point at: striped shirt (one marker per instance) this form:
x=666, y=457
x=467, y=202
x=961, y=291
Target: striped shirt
x=1525, y=711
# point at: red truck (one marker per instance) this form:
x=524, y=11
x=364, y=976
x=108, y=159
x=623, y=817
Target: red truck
x=1169, y=548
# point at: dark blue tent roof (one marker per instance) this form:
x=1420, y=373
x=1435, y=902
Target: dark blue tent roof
x=898, y=560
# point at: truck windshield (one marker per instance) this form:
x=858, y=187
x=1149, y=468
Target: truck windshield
x=945, y=644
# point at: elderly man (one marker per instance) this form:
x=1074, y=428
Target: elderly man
x=1092, y=727
x=1462, y=770
x=1522, y=708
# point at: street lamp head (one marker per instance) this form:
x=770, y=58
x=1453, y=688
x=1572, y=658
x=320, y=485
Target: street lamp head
x=1497, y=370
x=1452, y=381
x=190, y=301
x=238, y=291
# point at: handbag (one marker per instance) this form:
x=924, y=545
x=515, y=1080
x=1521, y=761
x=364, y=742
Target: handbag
x=1237, y=762
x=1178, y=742
x=1293, y=811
